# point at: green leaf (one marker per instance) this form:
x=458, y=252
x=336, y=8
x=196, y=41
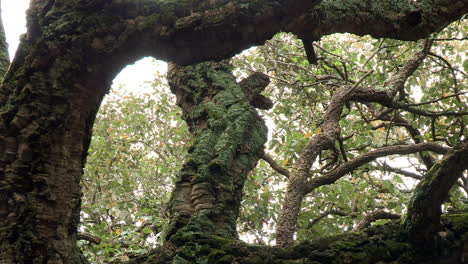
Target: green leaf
x=147, y=230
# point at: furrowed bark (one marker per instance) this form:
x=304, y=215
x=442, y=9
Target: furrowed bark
x=229, y=137
x=379, y=244
x=48, y=100
x=424, y=210
x=405, y=20
x=297, y=180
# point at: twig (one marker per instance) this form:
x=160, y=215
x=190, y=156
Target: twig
x=372, y=217
x=439, y=99
x=325, y=214
x=275, y=166
x=89, y=237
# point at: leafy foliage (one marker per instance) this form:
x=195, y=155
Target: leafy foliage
x=302, y=92
x=138, y=146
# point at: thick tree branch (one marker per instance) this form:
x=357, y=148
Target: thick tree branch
x=405, y=20
x=351, y=165
x=397, y=82
x=185, y=32
x=424, y=209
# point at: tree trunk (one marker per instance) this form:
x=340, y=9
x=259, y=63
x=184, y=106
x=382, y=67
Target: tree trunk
x=228, y=141
x=49, y=99
x=424, y=210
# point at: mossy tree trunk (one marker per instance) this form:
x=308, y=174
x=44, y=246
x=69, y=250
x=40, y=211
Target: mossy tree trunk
x=228, y=140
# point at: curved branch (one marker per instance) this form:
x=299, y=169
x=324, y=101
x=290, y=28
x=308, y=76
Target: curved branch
x=413, y=131
x=351, y=165
x=186, y=32
x=405, y=173
x=372, y=217
x=438, y=99
x=89, y=237
x=424, y=112
x=449, y=66
x=336, y=212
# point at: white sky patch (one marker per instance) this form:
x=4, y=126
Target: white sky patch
x=137, y=77
x=14, y=21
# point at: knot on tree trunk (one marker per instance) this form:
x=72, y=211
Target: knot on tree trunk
x=253, y=86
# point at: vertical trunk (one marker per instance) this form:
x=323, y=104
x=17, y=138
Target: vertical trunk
x=287, y=221
x=229, y=137
x=44, y=136
x=48, y=102
x=424, y=209
x=300, y=173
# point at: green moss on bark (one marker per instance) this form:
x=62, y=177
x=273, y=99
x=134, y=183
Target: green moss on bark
x=380, y=244
x=228, y=141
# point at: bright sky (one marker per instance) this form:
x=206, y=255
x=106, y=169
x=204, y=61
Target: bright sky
x=14, y=20
x=134, y=77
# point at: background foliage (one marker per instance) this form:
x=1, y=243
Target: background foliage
x=138, y=146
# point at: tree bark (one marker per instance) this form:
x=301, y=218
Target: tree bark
x=379, y=244
x=405, y=20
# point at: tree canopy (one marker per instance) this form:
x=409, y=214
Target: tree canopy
x=339, y=109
